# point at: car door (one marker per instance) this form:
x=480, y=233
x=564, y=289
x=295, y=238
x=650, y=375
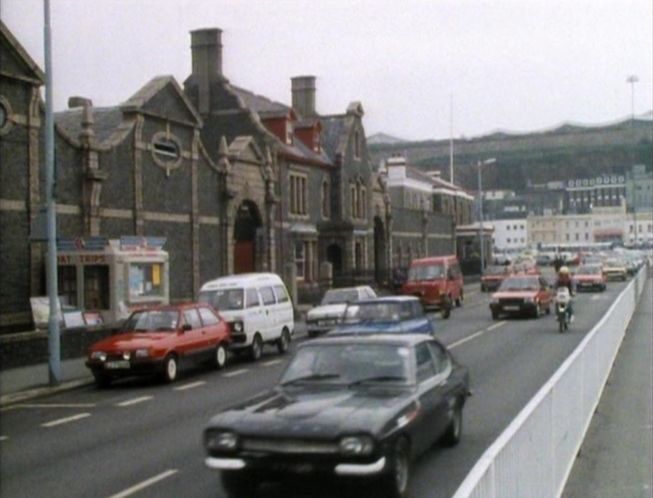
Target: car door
x=446, y=389
x=428, y=423
x=192, y=340
x=213, y=331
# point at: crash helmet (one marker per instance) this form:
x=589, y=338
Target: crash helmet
x=563, y=271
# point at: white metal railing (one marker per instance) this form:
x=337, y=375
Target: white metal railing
x=535, y=453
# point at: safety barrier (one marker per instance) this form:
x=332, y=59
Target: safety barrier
x=534, y=455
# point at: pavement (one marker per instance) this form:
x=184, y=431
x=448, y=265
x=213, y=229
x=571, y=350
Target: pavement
x=616, y=458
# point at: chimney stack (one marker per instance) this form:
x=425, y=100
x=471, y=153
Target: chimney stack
x=206, y=49
x=303, y=95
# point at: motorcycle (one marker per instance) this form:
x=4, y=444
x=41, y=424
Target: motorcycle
x=563, y=315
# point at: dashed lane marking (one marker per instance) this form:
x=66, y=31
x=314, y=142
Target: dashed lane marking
x=595, y=297
x=148, y=482
x=496, y=325
x=236, y=372
x=3, y=438
x=65, y=420
x=134, y=401
x=55, y=405
x=271, y=362
x=192, y=385
x=468, y=338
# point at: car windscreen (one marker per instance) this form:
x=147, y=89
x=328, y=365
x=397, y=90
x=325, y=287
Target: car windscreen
x=153, y=320
x=372, y=312
x=340, y=296
x=519, y=284
x=349, y=363
x=426, y=272
x=223, y=299
x=589, y=270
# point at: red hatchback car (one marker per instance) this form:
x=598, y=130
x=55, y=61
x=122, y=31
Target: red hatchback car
x=522, y=294
x=157, y=340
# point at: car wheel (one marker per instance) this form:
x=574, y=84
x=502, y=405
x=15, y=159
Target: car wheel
x=395, y=482
x=548, y=309
x=459, y=301
x=102, y=380
x=538, y=311
x=313, y=333
x=238, y=484
x=495, y=315
x=256, y=349
x=446, y=308
x=454, y=430
x=483, y=289
x=170, y=369
x=220, y=359
x=284, y=341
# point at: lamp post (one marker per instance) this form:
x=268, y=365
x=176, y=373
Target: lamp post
x=632, y=79
x=480, y=210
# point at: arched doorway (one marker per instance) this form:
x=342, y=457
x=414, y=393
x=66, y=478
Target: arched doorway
x=334, y=256
x=246, y=227
x=380, y=264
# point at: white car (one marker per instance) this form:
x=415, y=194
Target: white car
x=323, y=318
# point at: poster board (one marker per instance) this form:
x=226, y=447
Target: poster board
x=41, y=311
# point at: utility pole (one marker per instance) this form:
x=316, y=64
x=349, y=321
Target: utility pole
x=480, y=211
x=54, y=357
x=632, y=79
x=451, y=179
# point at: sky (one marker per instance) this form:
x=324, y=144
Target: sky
x=421, y=68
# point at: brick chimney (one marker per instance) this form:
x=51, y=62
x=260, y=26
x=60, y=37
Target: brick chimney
x=303, y=95
x=206, y=49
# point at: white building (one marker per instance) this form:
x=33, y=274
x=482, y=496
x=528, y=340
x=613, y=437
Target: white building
x=510, y=234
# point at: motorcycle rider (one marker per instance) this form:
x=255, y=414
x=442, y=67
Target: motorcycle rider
x=565, y=280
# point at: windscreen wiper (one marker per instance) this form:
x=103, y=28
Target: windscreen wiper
x=311, y=377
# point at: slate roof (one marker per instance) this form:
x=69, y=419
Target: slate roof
x=106, y=121
x=334, y=129
x=263, y=106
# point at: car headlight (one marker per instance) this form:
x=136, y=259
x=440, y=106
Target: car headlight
x=142, y=353
x=356, y=445
x=98, y=355
x=126, y=355
x=216, y=440
x=237, y=326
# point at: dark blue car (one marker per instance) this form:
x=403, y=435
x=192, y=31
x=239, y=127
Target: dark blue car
x=391, y=314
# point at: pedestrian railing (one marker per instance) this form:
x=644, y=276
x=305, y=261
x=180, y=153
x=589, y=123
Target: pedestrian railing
x=534, y=455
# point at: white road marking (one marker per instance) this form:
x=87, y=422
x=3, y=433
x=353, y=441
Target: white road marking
x=134, y=401
x=595, y=297
x=55, y=405
x=3, y=438
x=468, y=338
x=189, y=386
x=66, y=420
x=148, y=482
x=496, y=325
x=236, y=372
x=271, y=362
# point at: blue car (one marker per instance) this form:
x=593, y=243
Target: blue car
x=391, y=314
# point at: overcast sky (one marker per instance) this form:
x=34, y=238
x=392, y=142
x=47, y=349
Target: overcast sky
x=517, y=65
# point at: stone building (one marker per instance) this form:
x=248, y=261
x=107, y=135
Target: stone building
x=233, y=181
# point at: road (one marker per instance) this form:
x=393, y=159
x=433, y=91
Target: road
x=141, y=438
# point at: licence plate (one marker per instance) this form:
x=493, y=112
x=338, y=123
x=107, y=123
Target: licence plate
x=114, y=365
x=511, y=308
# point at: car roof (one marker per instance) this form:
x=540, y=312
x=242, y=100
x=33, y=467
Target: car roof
x=380, y=338
x=242, y=279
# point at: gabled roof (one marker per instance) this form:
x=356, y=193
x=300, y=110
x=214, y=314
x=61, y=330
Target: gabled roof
x=105, y=121
x=19, y=58
x=152, y=89
x=334, y=134
x=263, y=106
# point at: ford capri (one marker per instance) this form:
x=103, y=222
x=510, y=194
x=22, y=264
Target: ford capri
x=522, y=295
x=346, y=408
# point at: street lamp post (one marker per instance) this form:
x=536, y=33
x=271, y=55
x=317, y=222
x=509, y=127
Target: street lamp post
x=632, y=79
x=480, y=211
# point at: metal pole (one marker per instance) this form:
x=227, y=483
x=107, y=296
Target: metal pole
x=54, y=362
x=632, y=79
x=451, y=179
x=480, y=218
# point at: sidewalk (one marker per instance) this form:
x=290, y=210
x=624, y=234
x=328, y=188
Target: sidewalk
x=616, y=458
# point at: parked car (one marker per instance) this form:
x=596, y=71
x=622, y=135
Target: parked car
x=590, y=277
x=257, y=308
x=493, y=276
x=347, y=407
x=330, y=312
x=437, y=282
x=159, y=340
x=522, y=294
x=615, y=269
x=390, y=314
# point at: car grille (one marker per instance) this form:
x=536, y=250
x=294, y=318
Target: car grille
x=289, y=446
x=511, y=302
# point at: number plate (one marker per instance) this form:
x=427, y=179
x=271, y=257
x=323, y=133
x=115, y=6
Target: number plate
x=114, y=365
x=511, y=308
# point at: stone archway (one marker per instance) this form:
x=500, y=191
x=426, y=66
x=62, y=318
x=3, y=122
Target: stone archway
x=247, y=231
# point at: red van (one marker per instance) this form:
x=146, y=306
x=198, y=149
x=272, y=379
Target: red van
x=437, y=282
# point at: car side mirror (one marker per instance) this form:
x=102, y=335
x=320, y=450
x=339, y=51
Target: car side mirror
x=186, y=327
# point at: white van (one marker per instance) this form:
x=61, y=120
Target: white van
x=256, y=306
